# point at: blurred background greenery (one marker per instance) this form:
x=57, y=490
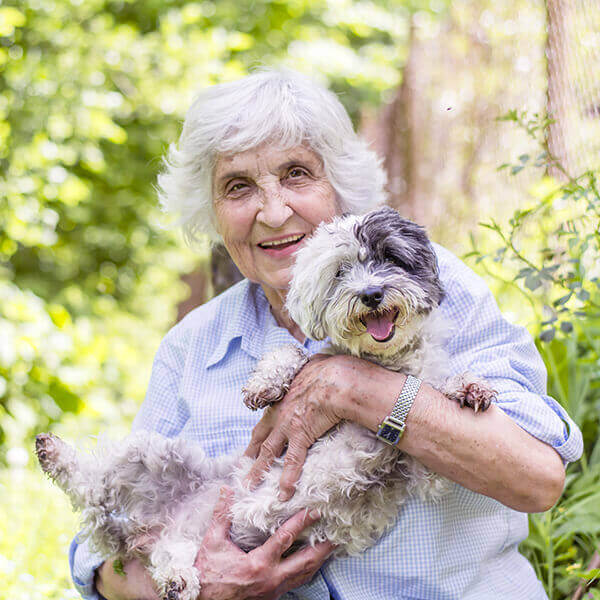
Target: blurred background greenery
x=91, y=277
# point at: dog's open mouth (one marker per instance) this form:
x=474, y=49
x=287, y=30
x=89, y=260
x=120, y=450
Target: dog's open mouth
x=381, y=325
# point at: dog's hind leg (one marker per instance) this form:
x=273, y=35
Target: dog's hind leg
x=65, y=466
x=273, y=376
x=83, y=480
x=172, y=568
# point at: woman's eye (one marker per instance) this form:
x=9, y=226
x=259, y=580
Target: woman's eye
x=296, y=172
x=236, y=187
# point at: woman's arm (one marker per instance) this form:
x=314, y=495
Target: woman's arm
x=226, y=572
x=484, y=452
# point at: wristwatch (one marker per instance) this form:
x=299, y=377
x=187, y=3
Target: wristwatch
x=392, y=427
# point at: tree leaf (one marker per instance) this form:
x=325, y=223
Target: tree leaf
x=118, y=567
x=566, y=326
x=583, y=295
x=547, y=335
x=533, y=282
x=562, y=300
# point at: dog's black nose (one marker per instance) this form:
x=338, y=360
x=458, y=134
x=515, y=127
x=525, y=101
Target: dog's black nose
x=372, y=296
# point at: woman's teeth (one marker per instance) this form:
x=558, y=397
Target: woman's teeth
x=276, y=243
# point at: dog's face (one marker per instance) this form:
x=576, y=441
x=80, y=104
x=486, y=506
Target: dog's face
x=365, y=282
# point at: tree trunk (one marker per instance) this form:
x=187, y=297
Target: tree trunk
x=397, y=136
x=198, y=282
x=205, y=284
x=560, y=100
x=224, y=273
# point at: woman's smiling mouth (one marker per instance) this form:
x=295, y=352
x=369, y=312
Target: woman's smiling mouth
x=282, y=246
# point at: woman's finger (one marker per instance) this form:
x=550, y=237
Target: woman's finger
x=292, y=469
x=304, y=563
x=271, y=449
x=260, y=433
x=286, y=535
x=316, y=358
x=220, y=525
x=133, y=581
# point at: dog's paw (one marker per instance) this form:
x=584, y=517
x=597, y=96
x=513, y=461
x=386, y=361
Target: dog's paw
x=174, y=590
x=273, y=376
x=181, y=587
x=263, y=397
x=469, y=390
x=47, y=448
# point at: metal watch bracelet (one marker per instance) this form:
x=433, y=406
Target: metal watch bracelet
x=392, y=427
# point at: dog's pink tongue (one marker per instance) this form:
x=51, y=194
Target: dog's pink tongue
x=380, y=326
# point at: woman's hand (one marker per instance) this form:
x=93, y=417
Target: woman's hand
x=228, y=573
x=321, y=395
x=133, y=584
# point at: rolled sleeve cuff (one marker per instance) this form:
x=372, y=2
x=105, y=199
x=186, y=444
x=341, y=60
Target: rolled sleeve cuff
x=571, y=448
x=83, y=563
x=545, y=419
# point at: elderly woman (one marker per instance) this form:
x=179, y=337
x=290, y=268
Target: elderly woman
x=260, y=163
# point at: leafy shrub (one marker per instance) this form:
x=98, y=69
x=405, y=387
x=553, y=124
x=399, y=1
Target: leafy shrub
x=549, y=255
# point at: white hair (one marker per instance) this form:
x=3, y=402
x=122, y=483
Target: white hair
x=282, y=106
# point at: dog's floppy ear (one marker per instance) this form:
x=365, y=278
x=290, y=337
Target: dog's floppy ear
x=310, y=273
x=300, y=308
x=314, y=273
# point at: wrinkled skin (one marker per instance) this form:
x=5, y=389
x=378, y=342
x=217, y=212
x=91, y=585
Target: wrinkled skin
x=228, y=573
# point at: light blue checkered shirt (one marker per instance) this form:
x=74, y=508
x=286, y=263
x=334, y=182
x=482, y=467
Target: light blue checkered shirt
x=461, y=548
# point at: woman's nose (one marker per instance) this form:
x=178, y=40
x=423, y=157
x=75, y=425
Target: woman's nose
x=274, y=211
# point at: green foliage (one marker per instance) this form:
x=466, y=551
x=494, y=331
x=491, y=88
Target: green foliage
x=549, y=253
x=118, y=567
x=36, y=533
x=91, y=93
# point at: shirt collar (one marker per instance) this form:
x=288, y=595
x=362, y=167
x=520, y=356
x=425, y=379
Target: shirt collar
x=246, y=315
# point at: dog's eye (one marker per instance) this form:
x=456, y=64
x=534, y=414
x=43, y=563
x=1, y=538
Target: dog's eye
x=339, y=273
x=397, y=260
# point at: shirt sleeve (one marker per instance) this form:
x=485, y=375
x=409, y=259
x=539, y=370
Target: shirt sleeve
x=83, y=562
x=486, y=344
x=162, y=411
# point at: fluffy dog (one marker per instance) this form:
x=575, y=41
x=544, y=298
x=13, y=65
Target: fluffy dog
x=376, y=297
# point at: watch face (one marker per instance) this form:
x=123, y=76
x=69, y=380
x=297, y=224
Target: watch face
x=389, y=433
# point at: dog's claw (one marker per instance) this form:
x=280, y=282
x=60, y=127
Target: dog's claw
x=255, y=401
x=46, y=449
x=175, y=590
x=470, y=391
x=476, y=396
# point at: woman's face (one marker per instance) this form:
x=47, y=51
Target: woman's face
x=267, y=201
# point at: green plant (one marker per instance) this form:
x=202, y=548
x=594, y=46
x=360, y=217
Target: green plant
x=548, y=254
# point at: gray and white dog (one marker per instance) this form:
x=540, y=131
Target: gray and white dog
x=376, y=296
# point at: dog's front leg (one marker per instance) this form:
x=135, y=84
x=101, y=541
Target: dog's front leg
x=469, y=390
x=273, y=376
